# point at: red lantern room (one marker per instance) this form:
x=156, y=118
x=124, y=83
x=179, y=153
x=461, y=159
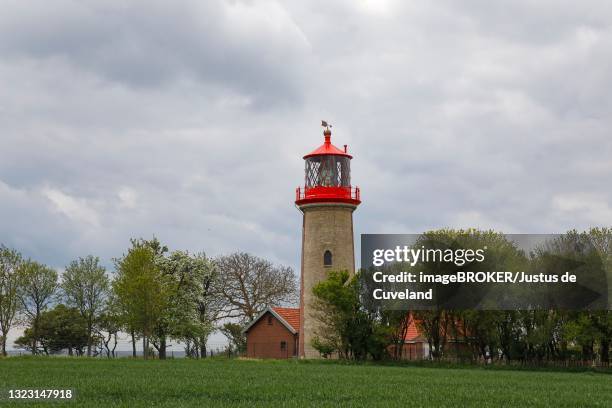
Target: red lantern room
x=327, y=175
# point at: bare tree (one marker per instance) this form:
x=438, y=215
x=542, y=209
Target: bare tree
x=249, y=284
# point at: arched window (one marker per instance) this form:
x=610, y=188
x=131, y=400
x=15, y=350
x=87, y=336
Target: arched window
x=327, y=258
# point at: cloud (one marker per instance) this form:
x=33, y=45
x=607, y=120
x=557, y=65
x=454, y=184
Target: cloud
x=73, y=208
x=251, y=49
x=189, y=120
x=128, y=197
x=591, y=207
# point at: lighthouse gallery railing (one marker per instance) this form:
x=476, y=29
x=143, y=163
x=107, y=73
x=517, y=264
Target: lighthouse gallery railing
x=350, y=193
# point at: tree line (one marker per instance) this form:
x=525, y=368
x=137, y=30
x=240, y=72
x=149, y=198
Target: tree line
x=154, y=295
x=353, y=328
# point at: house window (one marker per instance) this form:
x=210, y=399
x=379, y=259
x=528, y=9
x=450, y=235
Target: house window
x=327, y=258
x=270, y=320
x=283, y=345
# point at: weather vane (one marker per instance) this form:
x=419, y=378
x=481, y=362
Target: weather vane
x=326, y=125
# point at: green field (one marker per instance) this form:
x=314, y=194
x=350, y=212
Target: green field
x=181, y=382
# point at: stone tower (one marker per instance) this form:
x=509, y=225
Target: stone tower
x=327, y=202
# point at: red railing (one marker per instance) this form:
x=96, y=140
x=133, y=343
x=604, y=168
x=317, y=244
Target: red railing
x=327, y=193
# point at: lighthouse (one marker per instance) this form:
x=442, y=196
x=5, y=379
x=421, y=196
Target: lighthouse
x=327, y=201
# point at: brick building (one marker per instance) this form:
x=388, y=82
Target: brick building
x=274, y=334
x=415, y=346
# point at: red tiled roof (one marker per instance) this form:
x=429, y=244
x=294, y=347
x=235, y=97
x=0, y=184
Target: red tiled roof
x=291, y=316
x=413, y=332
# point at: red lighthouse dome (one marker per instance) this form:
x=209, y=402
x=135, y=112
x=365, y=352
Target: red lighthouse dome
x=327, y=176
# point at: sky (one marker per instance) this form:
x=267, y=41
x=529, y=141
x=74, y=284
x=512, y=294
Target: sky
x=188, y=120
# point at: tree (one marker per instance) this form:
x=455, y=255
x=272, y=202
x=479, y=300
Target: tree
x=142, y=291
x=236, y=337
x=10, y=282
x=601, y=238
x=161, y=328
x=209, y=301
x=434, y=324
x=108, y=325
x=346, y=327
x=37, y=292
x=476, y=328
x=250, y=284
x=85, y=287
x=398, y=322
x=589, y=255
x=196, y=299
x=482, y=327
x=335, y=306
x=62, y=328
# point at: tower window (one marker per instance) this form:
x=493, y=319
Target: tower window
x=327, y=258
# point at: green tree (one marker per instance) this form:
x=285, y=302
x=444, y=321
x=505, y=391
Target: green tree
x=108, y=324
x=435, y=325
x=162, y=328
x=335, y=305
x=509, y=333
x=482, y=327
x=142, y=291
x=398, y=322
x=85, y=286
x=346, y=327
x=588, y=255
x=237, y=339
x=39, y=286
x=440, y=325
x=10, y=283
x=601, y=239
x=62, y=328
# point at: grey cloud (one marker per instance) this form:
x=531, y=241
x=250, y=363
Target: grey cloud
x=540, y=23
x=189, y=121
x=253, y=49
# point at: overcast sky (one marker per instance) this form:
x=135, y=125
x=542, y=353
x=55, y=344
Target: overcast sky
x=189, y=119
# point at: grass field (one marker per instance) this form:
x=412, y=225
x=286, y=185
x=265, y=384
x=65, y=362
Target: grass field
x=181, y=382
